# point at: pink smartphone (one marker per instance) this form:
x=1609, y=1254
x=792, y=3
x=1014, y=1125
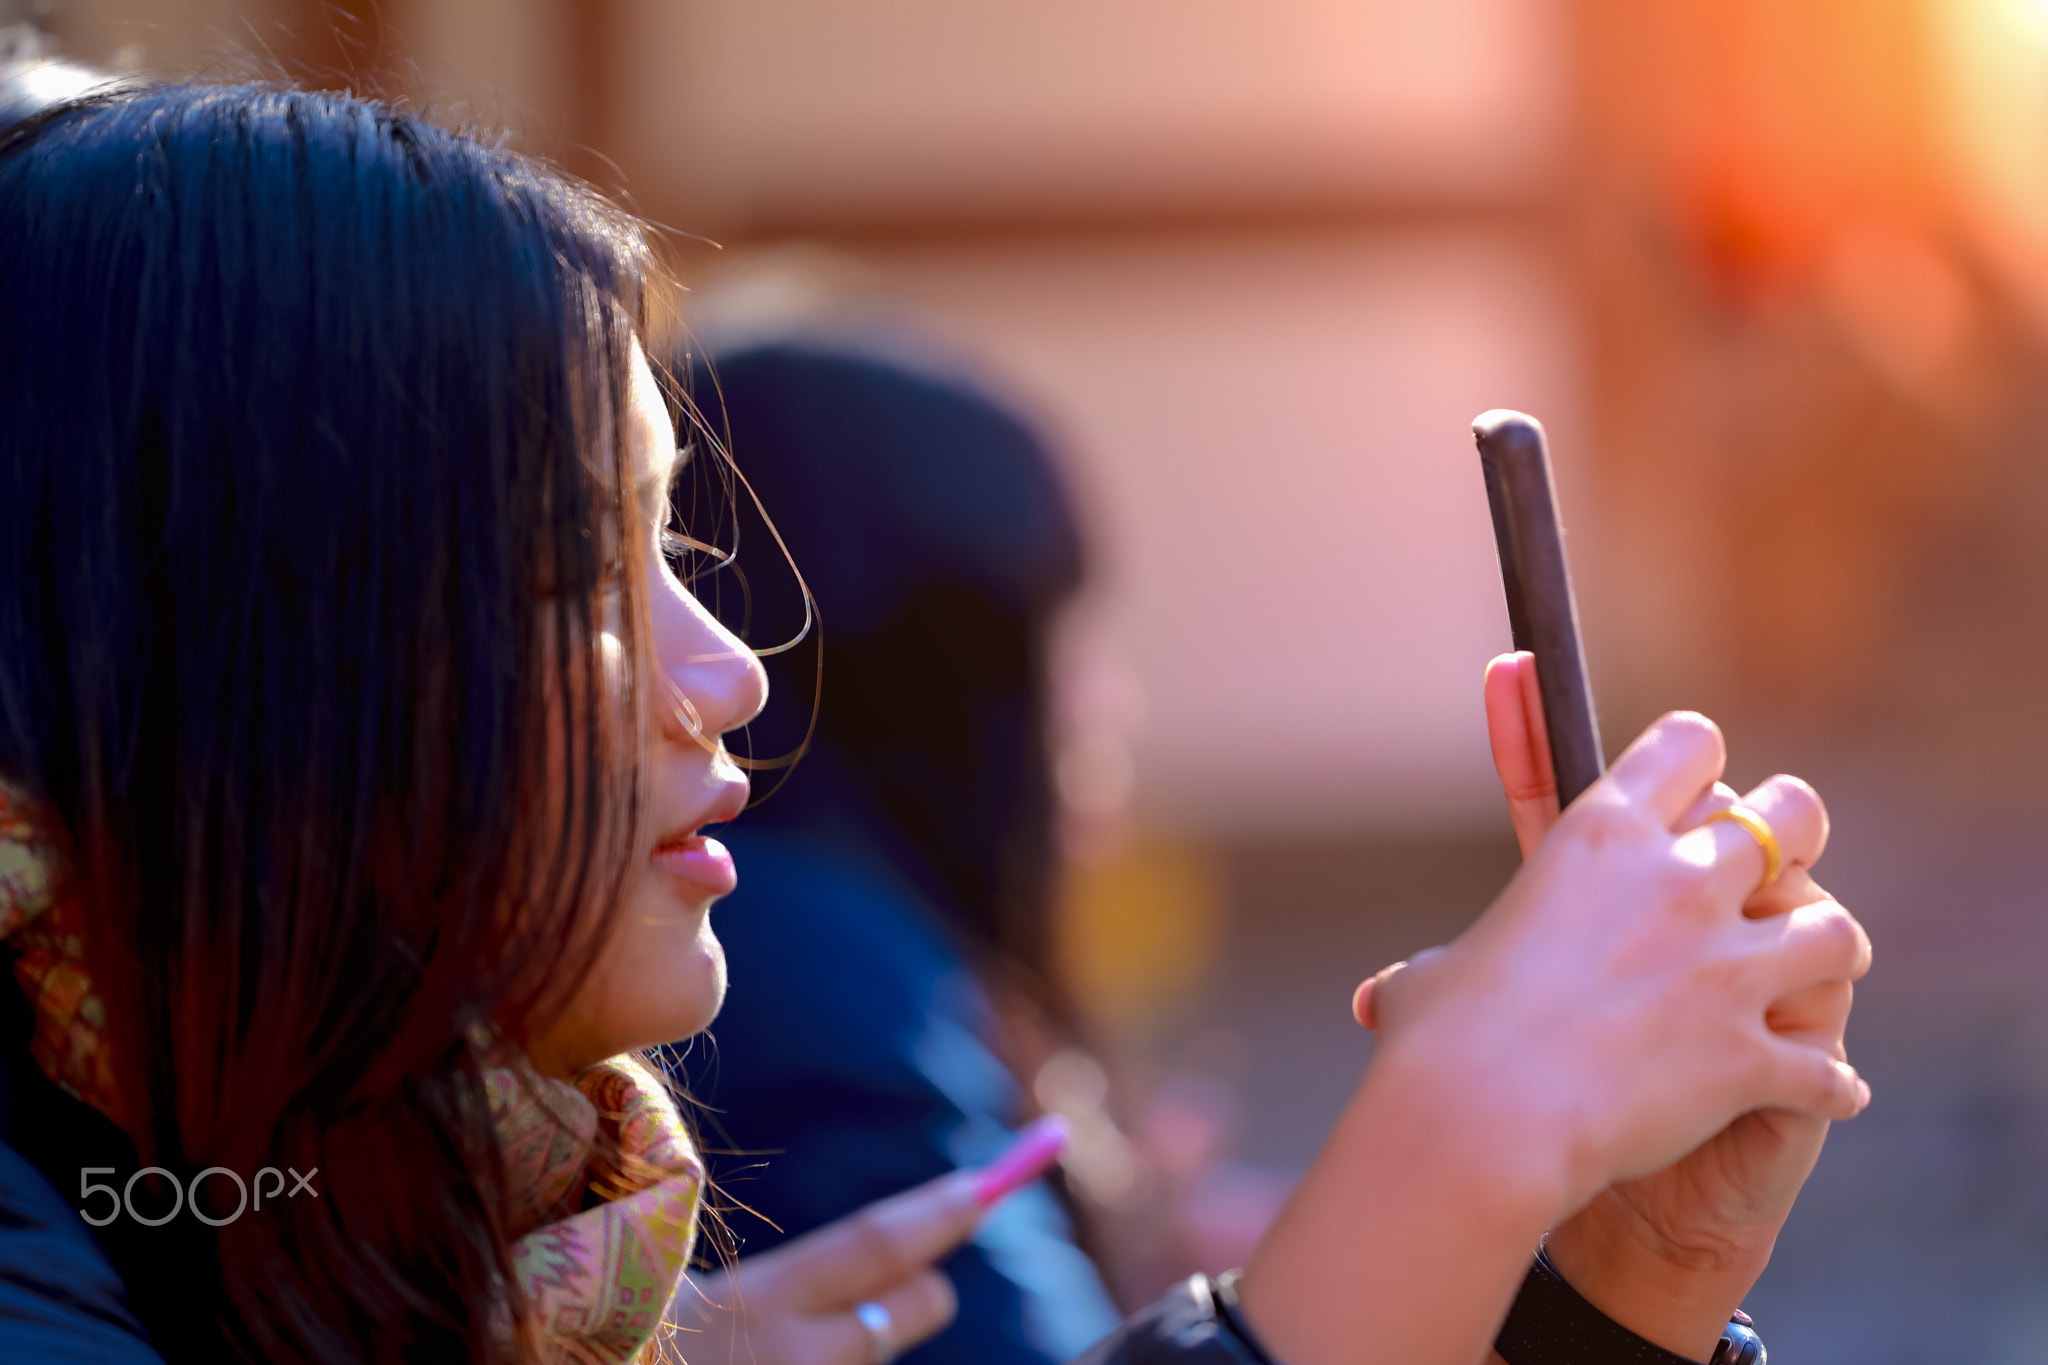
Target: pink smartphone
x=1026, y=1159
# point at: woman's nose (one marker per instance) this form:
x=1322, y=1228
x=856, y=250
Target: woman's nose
x=713, y=681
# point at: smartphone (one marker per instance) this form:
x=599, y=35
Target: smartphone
x=1537, y=577
x=1034, y=1153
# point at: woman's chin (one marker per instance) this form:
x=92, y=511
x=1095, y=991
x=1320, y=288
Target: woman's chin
x=654, y=987
x=703, y=980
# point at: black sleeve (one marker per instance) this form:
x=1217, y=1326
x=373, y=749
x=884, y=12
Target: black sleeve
x=1196, y=1323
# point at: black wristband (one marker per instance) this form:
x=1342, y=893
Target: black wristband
x=1224, y=1289
x=1552, y=1324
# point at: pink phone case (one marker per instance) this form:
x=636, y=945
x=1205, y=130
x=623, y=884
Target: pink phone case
x=1026, y=1159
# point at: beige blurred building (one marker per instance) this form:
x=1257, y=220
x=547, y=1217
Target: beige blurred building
x=1762, y=268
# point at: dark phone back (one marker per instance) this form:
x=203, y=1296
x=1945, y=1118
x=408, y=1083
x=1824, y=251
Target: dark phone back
x=1542, y=612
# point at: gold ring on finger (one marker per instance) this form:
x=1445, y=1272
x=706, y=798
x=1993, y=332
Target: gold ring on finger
x=1760, y=830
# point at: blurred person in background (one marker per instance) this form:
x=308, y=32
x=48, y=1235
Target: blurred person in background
x=909, y=857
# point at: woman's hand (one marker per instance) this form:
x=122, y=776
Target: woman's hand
x=1607, y=1015
x=796, y=1305
x=1671, y=1253
x=1626, y=933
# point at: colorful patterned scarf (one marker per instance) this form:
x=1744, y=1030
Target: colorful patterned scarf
x=604, y=1179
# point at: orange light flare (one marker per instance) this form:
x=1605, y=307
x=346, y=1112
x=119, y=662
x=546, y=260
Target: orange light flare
x=2025, y=18
x=1992, y=61
x=1865, y=158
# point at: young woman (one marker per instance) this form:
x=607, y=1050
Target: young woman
x=358, y=743
x=357, y=740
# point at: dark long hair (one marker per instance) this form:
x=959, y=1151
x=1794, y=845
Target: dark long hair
x=309, y=440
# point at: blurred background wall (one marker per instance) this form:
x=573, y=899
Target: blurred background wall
x=1776, y=277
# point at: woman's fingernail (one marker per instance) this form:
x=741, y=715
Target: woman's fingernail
x=1862, y=1094
x=1361, y=1002
x=1364, y=1000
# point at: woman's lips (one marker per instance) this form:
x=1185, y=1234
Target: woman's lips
x=701, y=861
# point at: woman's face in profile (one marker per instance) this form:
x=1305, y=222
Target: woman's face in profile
x=662, y=975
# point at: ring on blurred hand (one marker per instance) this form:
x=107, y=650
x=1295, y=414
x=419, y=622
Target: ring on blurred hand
x=1760, y=830
x=881, y=1327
